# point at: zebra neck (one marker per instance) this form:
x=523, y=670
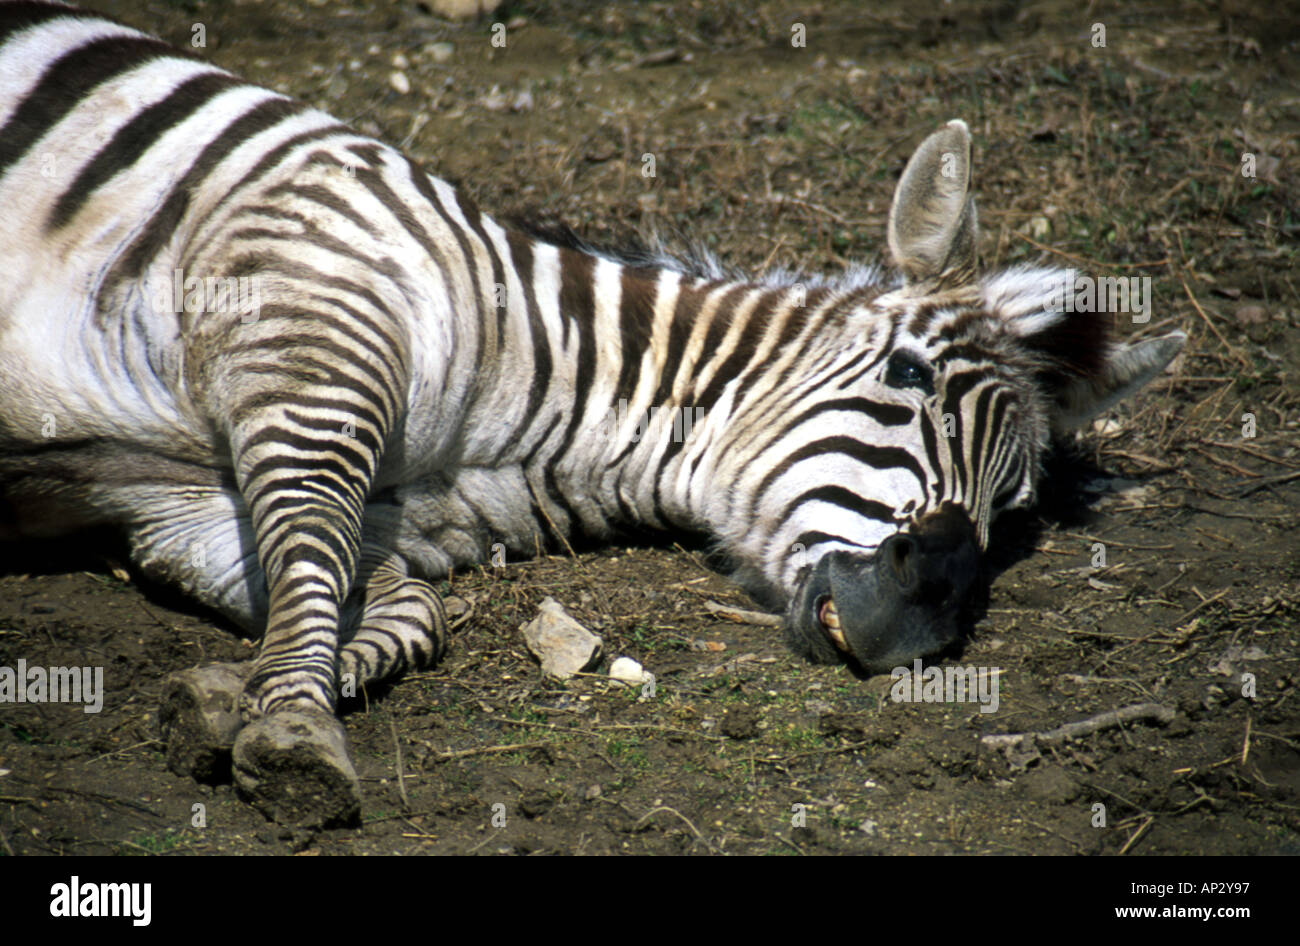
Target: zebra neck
x=638, y=373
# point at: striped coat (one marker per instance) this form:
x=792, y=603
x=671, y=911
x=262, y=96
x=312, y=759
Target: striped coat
x=306, y=377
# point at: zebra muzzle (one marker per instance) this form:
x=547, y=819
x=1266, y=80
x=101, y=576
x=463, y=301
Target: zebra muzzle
x=879, y=611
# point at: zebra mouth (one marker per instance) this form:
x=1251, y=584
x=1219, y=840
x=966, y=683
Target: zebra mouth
x=828, y=616
x=910, y=599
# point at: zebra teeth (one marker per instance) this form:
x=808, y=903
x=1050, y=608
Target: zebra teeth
x=829, y=615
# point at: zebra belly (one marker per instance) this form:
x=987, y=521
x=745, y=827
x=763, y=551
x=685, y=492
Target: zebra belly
x=72, y=372
x=88, y=406
x=470, y=516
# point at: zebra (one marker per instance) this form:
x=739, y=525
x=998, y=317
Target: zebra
x=306, y=378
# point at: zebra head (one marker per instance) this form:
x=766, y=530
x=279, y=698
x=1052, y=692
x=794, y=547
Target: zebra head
x=921, y=412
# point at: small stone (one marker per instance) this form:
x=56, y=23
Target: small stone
x=497, y=101
x=627, y=670
x=562, y=645
x=440, y=52
x=401, y=85
x=463, y=9
x=400, y=62
x=336, y=88
x=454, y=606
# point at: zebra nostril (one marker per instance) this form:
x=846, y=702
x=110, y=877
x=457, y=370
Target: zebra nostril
x=899, y=552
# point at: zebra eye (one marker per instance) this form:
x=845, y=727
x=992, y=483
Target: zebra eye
x=905, y=371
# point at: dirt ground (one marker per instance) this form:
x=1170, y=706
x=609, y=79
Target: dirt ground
x=1124, y=159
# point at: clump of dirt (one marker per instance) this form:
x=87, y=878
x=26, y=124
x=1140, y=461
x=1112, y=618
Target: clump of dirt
x=1164, y=572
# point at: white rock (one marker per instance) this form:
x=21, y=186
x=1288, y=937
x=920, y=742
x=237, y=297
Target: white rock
x=440, y=52
x=563, y=646
x=399, y=82
x=494, y=100
x=628, y=671
x=454, y=606
x=463, y=9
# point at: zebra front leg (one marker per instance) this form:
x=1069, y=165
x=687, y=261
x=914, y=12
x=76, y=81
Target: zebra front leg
x=399, y=626
x=200, y=538
x=304, y=466
x=291, y=758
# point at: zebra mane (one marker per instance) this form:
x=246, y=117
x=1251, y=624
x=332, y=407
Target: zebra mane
x=1016, y=297
x=633, y=248
x=687, y=255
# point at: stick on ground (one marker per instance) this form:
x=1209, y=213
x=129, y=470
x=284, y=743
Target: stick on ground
x=1084, y=727
x=743, y=616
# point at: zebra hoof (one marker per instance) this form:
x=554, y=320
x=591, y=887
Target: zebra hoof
x=199, y=718
x=293, y=766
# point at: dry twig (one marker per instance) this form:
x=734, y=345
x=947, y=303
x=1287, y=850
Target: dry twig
x=401, y=776
x=743, y=616
x=1083, y=727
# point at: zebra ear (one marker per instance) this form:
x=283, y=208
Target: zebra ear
x=1122, y=371
x=932, y=225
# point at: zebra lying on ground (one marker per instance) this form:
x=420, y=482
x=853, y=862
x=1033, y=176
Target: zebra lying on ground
x=386, y=382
